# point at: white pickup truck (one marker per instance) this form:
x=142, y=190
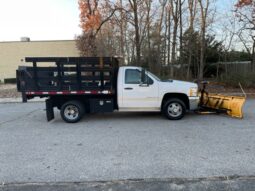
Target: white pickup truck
x=81, y=85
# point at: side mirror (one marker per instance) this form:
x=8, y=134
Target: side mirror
x=143, y=76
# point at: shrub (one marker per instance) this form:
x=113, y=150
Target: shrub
x=247, y=80
x=10, y=80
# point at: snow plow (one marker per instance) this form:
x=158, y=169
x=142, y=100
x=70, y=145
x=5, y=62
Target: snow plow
x=218, y=103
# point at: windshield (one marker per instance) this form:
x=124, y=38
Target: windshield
x=154, y=76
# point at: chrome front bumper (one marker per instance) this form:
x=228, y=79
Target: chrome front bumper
x=193, y=103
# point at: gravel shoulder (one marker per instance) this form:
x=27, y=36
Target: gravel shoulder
x=9, y=91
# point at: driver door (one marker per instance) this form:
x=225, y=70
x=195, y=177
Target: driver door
x=138, y=96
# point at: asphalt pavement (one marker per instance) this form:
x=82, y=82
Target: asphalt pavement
x=119, y=146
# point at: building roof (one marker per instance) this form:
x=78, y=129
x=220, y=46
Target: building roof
x=35, y=41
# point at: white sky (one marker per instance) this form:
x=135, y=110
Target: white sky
x=39, y=19
x=57, y=19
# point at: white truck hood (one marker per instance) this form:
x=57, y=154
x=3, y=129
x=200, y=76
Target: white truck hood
x=176, y=86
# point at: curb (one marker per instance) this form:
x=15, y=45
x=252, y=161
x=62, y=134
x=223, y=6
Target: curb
x=19, y=100
x=234, y=183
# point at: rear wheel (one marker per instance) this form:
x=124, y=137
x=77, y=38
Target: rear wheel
x=174, y=109
x=72, y=111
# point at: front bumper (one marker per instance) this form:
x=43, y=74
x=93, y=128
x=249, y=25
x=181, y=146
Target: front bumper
x=193, y=103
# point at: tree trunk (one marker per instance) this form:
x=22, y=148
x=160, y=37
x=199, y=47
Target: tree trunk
x=204, y=12
x=202, y=55
x=173, y=56
x=165, y=39
x=189, y=64
x=174, y=9
x=137, y=34
x=253, y=56
x=122, y=34
x=148, y=3
x=159, y=48
x=181, y=33
x=192, y=5
x=169, y=40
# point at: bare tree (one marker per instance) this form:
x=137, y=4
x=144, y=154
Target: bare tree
x=204, y=6
x=148, y=24
x=245, y=11
x=175, y=16
x=169, y=25
x=122, y=31
x=181, y=2
x=154, y=33
x=134, y=9
x=159, y=36
x=192, y=7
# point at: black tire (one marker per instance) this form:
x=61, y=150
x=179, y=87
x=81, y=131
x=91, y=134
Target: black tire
x=178, y=109
x=72, y=111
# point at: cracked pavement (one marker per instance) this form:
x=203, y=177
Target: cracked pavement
x=122, y=146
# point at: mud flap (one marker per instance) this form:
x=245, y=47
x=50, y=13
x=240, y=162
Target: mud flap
x=49, y=110
x=24, y=97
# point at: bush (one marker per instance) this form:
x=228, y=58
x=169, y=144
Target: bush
x=10, y=80
x=233, y=79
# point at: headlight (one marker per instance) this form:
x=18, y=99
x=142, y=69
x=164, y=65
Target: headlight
x=193, y=92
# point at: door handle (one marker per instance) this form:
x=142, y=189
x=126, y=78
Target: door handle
x=144, y=85
x=128, y=88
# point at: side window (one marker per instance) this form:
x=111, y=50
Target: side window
x=132, y=76
x=150, y=81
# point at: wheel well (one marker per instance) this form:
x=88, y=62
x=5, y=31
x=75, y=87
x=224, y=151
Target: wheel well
x=180, y=96
x=58, y=101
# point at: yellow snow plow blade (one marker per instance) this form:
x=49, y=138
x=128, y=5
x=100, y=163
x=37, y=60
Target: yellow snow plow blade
x=232, y=105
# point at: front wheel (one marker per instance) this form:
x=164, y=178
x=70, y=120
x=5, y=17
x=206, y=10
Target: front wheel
x=72, y=111
x=174, y=109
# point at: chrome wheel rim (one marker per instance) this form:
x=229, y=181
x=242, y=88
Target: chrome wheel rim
x=174, y=109
x=71, y=112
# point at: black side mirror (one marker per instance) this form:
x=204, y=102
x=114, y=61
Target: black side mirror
x=143, y=76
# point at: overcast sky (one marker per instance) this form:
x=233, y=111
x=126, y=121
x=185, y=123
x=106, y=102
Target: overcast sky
x=39, y=19
x=51, y=19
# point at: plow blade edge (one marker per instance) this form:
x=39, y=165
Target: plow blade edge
x=232, y=105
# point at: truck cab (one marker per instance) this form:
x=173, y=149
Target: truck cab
x=140, y=90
